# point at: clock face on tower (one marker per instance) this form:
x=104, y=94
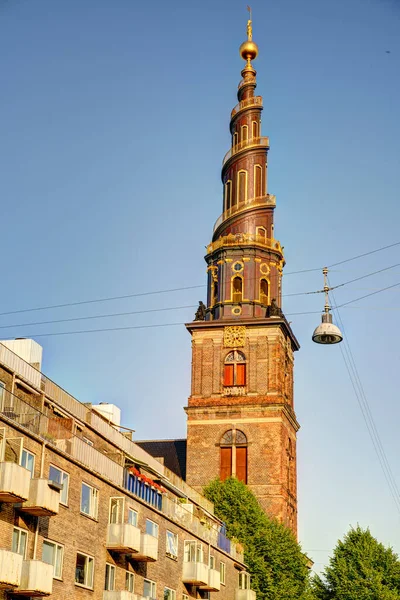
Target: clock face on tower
x=234, y=336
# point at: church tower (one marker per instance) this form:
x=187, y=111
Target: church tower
x=240, y=414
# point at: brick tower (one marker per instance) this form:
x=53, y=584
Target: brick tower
x=240, y=414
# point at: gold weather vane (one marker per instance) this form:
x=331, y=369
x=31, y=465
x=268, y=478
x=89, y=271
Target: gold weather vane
x=249, y=25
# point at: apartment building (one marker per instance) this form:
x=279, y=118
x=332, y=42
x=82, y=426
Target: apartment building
x=86, y=513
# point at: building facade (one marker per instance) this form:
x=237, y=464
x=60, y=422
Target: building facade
x=86, y=513
x=240, y=414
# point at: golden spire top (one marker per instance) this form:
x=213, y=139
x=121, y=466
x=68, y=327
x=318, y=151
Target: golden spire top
x=249, y=49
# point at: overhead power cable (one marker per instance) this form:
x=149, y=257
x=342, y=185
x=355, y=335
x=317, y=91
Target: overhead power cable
x=178, y=289
x=363, y=403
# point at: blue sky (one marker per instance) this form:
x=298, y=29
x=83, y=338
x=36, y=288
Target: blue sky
x=114, y=120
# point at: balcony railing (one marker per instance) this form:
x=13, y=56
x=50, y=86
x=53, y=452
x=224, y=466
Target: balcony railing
x=43, y=500
x=214, y=581
x=148, y=551
x=36, y=579
x=123, y=538
x=195, y=573
x=10, y=569
x=268, y=200
x=245, y=594
x=121, y=595
x=14, y=482
x=255, y=142
x=20, y=366
x=244, y=239
x=247, y=103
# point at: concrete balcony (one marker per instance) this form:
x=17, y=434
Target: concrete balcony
x=10, y=569
x=43, y=500
x=123, y=538
x=36, y=579
x=195, y=573
x=148, y=549
x=245, y=595
x=121, y=595
x=14, y=482
x=214, y=581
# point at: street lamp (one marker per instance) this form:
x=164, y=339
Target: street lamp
x=327, y=332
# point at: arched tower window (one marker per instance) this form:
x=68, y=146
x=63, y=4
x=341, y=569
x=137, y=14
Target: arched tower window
x=258, y=184
x=237, y=289
x=233, y=455
x=241, y=186
x=228, y=194
x=235, y=139
x=235, y=369
x=264, y=291
x=255, y=129
x=245, y=133
x=261, y=232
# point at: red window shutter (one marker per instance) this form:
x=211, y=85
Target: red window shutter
x=241, y=374
x=228, y=374
x=226, y=463
x=241, y=464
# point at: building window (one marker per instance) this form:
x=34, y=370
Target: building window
x=261, y=233
x=193, y=552
x=228, y=195
x=222, y=572
x=151, y=528
x=109, y=583
x=129, y=581
x=87, y=441
x=132, y=517
x=237, y=289
x=19, y=541
x=241, y=186
x=89, y=500
x=255, y=129
x=84, y=570
x=244, y=132
x=233, y=455
x=212, y=562
x=172, y=544
x=116, y=510
x=28, y=461
x=53, y=554
x=258, y=188
x=264, y=291
x=149, y=589
x=244, y=581
x=59, y=476
x=169, y=594
x=235, y=369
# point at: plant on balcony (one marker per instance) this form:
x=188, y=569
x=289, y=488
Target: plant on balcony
x=276, y=563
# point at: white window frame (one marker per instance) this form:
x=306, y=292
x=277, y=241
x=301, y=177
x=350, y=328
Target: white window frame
x=118, y=515
x=109, y=582
x=87, y=584
x=155, y=528
x=222, y=572
x=211, y=561
x=169, y=593
x=132, y=511
x=64, y=479
x=172, y=549
x=24, y=457
x=244, y=580
x=129, y=581
x=21, y=532
x=58, y=549
x=153, y=587
x=93, y=501
x=193, y=551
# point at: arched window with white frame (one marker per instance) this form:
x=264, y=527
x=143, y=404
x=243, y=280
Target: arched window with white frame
x=241, y=186
x=258, y=182
x=233, y=455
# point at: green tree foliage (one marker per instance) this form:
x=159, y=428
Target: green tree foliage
x=276, y=563
x=361, y=568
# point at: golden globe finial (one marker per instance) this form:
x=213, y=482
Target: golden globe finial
x=249, y=49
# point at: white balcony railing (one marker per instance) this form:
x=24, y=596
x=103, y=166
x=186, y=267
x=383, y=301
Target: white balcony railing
x=10, y=569
x=214, y=581
x=36, y=579
x=123, y=538
x=20, y=366
x=245, y=595
x=14, y=482
x=43, y=500
x=148, y=548
x=195, y=573
x=121, y=595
